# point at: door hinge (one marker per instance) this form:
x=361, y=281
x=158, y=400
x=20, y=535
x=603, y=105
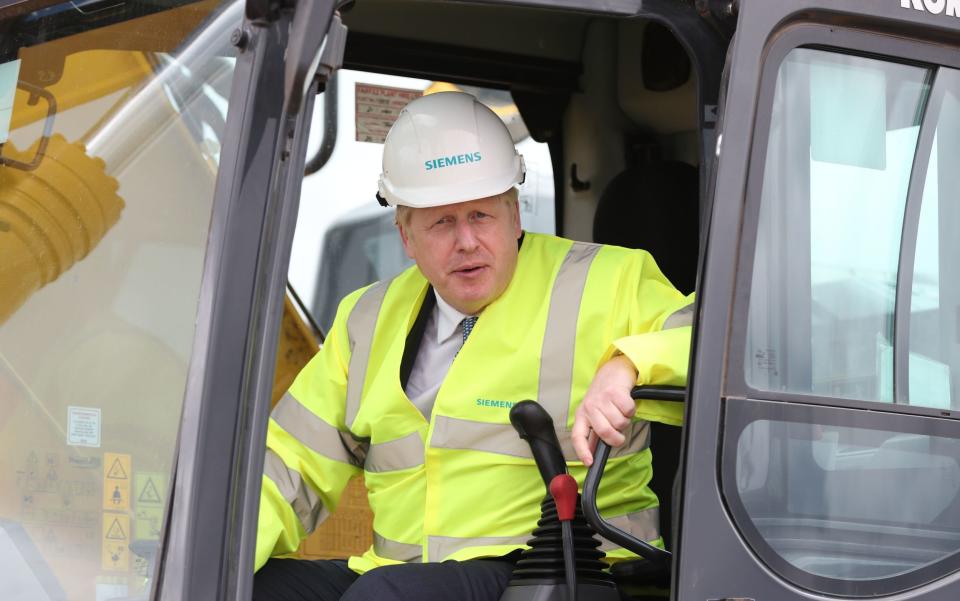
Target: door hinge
x=310, y=55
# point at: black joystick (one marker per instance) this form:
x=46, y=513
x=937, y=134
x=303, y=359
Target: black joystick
x=534, y=425
x=564, y=560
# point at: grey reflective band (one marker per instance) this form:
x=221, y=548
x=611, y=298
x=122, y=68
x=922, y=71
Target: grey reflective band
x=401, y=454
x=679, y=319
x=316, y=434
x=464, y=434
x=360, y=327
x=441, y=547
x=643, y=524
x=304, y=500
x=391, y=549
x=560, y=336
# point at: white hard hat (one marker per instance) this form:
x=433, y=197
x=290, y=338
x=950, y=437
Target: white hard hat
x=446, y=148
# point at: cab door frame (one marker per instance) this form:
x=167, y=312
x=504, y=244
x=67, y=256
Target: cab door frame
x=714, y=561
x=210, y=526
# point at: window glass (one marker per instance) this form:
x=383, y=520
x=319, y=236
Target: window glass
x=848, y=505
x=840, y=156
x=110, y=149
x=345, y=239
x=934, y=334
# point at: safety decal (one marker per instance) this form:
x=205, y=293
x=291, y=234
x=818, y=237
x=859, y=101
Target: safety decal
x=83, y=426
x=377, y=107
x=149, y=492
x=115, y=554
x=116, y=481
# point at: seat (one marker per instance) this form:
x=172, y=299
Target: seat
x=655, y=207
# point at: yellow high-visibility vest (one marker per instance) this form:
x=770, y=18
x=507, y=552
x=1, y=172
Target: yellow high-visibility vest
x=463, y=484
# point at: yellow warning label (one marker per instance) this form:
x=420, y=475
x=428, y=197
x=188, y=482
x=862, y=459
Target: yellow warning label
x=115, y=542
x=116, y=481
x=117, y=471
x=149, y=494
x=149, y=488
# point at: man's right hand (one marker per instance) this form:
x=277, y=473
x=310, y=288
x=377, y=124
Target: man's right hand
x=607, y=408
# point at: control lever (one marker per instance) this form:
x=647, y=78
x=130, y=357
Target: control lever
x=534, y=425
x=592, y=483
x=546, y=570
x=563, y=489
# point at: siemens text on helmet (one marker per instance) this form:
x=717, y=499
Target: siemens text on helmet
x=456, y=159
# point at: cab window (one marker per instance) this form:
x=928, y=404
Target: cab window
x=823, y=316
x=110, y=148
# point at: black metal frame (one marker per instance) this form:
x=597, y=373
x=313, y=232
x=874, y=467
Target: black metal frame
x=428, y=60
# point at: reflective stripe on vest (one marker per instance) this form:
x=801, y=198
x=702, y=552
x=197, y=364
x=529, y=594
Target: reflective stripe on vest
x=391, y=549
x=441, y=547
x=560, y=336
x=401, y=454
x=304, y=500
x=316, y=434
x=360, y=327
x=680, y=318
x=643, y=524
x=456, y=433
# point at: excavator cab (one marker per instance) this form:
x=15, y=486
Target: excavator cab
x=187, y=188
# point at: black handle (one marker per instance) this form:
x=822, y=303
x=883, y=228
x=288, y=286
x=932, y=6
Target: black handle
x=660, y=393
x=592, y=484
x=534, y=425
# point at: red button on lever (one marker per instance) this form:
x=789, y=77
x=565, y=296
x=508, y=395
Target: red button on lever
x=563, y=489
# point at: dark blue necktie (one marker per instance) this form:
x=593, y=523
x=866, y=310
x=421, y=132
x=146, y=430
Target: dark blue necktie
x=468, y=323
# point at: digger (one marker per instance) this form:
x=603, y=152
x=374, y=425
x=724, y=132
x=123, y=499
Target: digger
x=790, y=160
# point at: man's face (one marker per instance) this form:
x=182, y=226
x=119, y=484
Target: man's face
x=467, y=251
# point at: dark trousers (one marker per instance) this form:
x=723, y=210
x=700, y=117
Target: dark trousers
x=332, y=580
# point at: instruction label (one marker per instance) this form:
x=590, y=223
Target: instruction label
x=116, y=481
x=149, y=492
x=377, y=107
x=116, y=540
x=83, y=426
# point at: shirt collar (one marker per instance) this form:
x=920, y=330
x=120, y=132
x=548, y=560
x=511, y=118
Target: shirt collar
x=448, y=319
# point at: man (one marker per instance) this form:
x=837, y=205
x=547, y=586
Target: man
x=415, y=380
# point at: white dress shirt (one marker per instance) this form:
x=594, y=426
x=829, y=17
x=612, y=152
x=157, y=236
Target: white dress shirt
x=442, y=339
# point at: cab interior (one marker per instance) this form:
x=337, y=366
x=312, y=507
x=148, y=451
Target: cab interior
x=615, y=101
x=614, y=98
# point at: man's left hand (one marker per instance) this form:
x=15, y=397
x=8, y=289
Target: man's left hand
x=606, y=409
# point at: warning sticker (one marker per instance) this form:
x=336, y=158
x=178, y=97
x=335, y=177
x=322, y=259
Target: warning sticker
x=115, y=542
x=83, y=426
x=116, y=481
x=149, y=493
x=377, y=107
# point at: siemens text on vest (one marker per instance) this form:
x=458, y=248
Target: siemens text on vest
x=454, y=159
x=497, y=404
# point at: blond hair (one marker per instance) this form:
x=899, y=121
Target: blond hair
x=402, y=217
